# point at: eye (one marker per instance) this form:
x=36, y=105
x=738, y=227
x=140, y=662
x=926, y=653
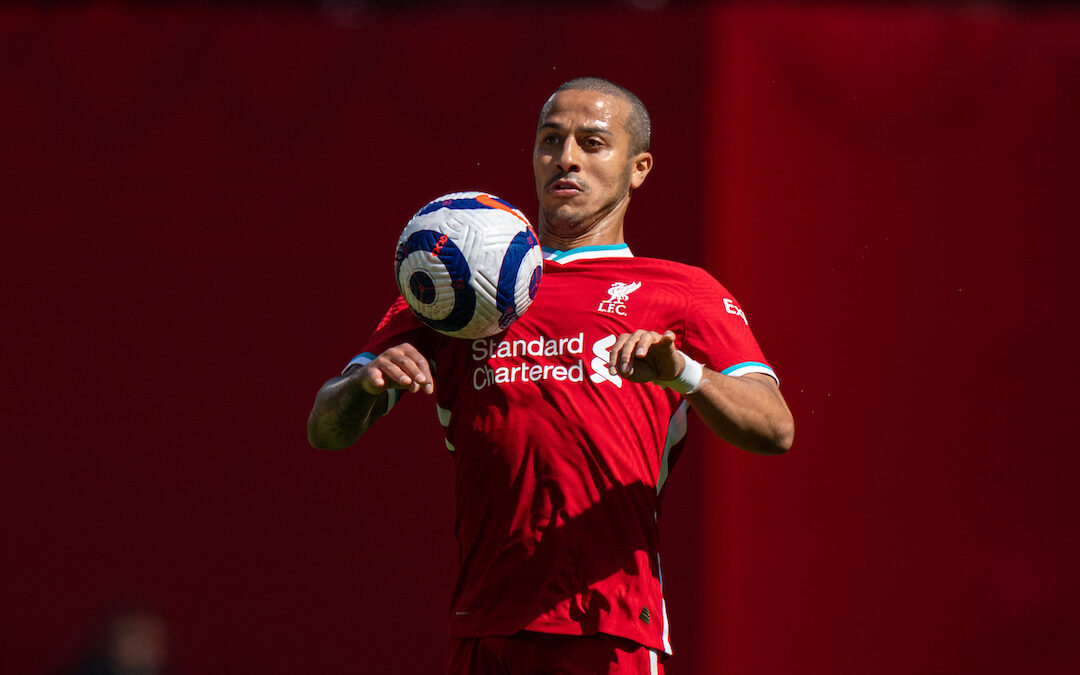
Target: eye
x=592, y=143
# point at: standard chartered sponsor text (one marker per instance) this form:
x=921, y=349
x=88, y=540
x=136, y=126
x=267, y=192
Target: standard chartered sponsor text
x=543, y=345
x=525, y=372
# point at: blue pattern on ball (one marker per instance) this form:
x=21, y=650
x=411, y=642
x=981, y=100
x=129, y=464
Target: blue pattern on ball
x=505, y=301
x=458, y=267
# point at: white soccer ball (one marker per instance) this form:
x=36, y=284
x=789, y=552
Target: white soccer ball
x=468, y=264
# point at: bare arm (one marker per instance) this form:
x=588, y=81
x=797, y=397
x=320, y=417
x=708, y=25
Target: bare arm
x=347, y=405
x=748, y=412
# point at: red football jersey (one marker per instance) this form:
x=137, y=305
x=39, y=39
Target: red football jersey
x=559, y=465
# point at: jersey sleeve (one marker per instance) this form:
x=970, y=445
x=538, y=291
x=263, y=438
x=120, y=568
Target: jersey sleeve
x=718, y=332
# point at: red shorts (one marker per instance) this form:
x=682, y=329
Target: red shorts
x=542, y=654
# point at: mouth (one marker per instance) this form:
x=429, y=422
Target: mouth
x=564, y=187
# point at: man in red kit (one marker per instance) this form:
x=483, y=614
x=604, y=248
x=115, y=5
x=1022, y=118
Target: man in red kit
x=563, y=429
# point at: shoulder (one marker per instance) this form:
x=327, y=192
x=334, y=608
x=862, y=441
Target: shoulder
x=665, y=264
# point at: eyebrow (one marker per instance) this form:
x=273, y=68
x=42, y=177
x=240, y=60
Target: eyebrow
x=589, y=130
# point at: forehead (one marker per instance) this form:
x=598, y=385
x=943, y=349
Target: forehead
x=575, y=108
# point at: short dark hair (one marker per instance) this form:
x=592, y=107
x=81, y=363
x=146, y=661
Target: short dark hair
x=637, y=122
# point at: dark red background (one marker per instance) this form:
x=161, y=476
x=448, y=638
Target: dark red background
x=199, y=207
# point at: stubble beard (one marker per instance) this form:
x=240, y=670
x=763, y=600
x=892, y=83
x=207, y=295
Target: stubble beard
x=571, y=224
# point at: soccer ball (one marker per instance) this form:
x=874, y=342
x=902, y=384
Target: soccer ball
x=468, y=264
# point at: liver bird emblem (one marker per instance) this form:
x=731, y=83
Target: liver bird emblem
x=620, y=291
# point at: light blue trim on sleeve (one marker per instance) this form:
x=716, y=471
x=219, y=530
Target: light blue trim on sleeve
x=747, y=367
x=359, y=360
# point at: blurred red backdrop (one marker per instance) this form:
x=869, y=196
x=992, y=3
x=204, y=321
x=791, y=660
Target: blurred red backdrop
x=896, y=198
x=199, y=209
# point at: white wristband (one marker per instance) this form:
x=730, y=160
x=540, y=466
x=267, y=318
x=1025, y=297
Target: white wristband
x=688, y=380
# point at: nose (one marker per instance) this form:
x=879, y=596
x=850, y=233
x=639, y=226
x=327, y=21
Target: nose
x=566, y=159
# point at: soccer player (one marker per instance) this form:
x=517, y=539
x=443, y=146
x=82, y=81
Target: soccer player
x=564, y=428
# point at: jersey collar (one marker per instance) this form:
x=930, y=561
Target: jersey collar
x=587, y=253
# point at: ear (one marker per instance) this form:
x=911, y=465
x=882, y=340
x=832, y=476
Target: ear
x=640, y=166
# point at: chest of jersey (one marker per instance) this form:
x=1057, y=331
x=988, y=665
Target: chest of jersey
x=536, y=411
x=610, y=295
x=565, y=337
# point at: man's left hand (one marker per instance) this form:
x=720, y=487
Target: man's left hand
x=645, y=356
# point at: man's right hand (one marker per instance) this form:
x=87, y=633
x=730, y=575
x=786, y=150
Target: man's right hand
x=347, y=405
x=399, y=367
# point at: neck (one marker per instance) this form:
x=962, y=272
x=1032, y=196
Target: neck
x=606, y=230
x=594, y=237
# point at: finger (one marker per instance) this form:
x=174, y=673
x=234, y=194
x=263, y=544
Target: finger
x=664, y=357
x=642, y=344
x=635, y=348
x=394, y=376
x=665, y=339
x=613, y=353
x=645, y=343
x=413, y=363
x=425, y=378
x=628, y=352
x=622, y=354
x=422, y=371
